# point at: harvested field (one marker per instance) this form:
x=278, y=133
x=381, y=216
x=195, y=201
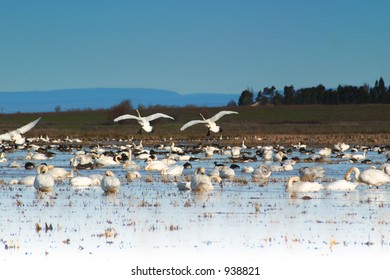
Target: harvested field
x=314, y=125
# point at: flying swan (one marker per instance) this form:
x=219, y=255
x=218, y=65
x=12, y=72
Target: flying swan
x=144, y=122
x=15, y=135
x=209, y=123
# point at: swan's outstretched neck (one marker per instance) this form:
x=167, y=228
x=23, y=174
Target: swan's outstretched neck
x=202, y=116
x=139, y=115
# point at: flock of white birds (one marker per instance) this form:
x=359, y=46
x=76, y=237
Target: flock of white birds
x=307, y=181
x=144, y=122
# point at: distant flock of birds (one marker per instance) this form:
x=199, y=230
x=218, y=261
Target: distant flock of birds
x=200, y=180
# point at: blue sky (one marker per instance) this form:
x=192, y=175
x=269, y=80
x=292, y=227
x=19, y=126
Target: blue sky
x=192, y=46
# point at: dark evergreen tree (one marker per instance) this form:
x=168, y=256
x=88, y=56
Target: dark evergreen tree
x=346, y=94
x=246, y=98
x=260, y=98
x=289, y=93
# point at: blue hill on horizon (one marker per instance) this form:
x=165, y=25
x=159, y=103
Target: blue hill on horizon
x=104, y=98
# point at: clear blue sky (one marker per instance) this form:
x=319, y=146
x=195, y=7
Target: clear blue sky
x=192, y=46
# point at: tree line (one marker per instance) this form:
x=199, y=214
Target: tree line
x=318, y=95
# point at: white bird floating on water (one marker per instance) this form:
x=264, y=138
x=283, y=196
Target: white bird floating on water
x=155, y=165
x=359, y=156
x=295, y=185
x=36, y=156
x=261, y=173
x=144, y=122
x=175, y=171
x=341, y=185
x=15, y=135
x=132, y=175
x=27, y=181
x=82, y=181
x=183, y=186
x=209, y=123
x=371, y=177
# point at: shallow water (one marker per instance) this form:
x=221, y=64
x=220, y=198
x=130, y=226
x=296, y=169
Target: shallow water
x=153, y=222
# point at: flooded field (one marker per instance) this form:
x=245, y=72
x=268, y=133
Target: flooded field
x=150, y=221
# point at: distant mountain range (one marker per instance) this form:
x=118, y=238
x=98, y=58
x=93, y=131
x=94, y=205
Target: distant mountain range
x=104, y=98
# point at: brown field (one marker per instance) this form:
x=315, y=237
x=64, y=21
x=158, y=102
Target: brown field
x=367, y=124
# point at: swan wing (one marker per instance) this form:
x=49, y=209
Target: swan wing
x=221, y=114
x=158, y=115
x=5, y=137
x=126, y=117
x=27, y=127
x=8, y=136
x=191, y=123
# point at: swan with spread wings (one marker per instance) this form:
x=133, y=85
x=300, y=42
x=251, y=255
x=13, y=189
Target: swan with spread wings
x=209, y=123
x=144, y=122
x=16, y=135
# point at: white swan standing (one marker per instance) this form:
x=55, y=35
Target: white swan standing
x=295, y=185
x=43, y=182
x=202, y=182
x=110, y=183
x=144, y=122
x=209, y=123
x=371, y=177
